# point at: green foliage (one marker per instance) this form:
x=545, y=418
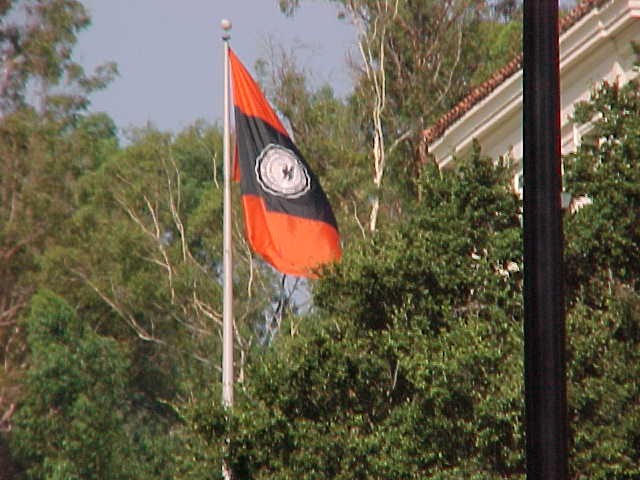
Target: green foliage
x=46, y=144
x=154, y=209
x=79, y=416
x=44, y=56
x=604, y=236
x=70, y=421
x=141, y=260
x=504, y=42
x=603, y=385
x=602, y=264
x=464, y=227
x=40, y=163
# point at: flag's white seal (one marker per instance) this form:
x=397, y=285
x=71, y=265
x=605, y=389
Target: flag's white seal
x=280, y=172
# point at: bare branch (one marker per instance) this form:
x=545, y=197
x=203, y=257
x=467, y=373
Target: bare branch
x=5, y=420
x=206, y=310
x=358, y=222
x=174, y=205
x=155, y=235
x=129, y=319
x=10, y=313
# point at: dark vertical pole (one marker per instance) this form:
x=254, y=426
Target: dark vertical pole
x=544, y=329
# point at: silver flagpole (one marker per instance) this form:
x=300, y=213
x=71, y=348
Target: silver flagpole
x=227, y=305
x=227, y=285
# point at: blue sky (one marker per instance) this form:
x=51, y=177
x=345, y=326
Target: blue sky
x=169, y=52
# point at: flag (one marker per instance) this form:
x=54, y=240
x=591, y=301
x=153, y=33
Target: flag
x=288, y=219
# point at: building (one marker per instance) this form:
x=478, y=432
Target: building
x=595, y=45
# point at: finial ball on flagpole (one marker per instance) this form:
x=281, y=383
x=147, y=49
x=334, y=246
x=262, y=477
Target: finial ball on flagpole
x=225, y=24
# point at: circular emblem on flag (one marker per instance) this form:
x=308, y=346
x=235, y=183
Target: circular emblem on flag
x=281, y=173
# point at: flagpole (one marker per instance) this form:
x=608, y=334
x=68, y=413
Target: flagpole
x=227, y=304
x=227, y=283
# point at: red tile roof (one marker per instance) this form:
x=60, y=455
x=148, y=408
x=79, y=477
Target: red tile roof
x=514, y=66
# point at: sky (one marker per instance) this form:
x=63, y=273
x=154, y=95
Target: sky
x=169, y=53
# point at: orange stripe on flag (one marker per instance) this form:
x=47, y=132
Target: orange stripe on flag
x=293, y=245
x=248, y=97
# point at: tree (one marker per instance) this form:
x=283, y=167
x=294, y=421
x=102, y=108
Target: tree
x=36, y=43
x=143, y=253
x=603, y=236
x=602, y=265
x=45, y=145
x=603, y=386
x=141, y=261
x=82, y=413
x=70, y=421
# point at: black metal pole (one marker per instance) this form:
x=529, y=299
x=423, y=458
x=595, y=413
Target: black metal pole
x=544, y=328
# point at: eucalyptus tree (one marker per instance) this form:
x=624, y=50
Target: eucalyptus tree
x=44, y=146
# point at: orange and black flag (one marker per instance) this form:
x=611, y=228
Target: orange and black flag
x=288, y=219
